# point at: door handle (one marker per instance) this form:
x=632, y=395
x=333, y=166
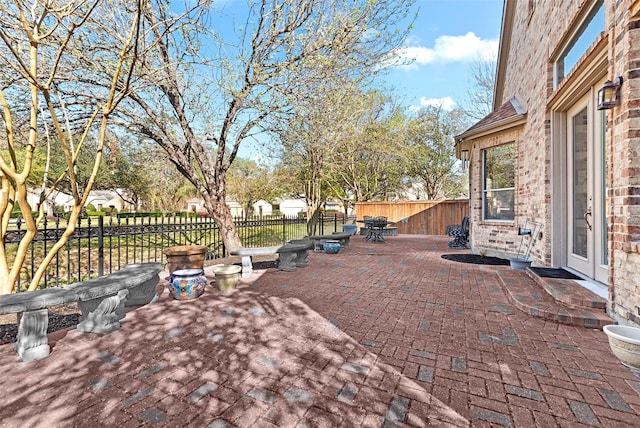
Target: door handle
x=587, y=215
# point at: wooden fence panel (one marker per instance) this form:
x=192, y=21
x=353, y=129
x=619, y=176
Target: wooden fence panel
x=417, y=217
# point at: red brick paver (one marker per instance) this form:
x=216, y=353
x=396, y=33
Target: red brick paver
x=381, y=334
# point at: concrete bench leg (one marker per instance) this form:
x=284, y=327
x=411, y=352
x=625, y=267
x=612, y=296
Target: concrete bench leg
x=344, y=242
x=106, y=313
x=247, y=266
x=32, y=343
x=287, y=261
x=302, y=258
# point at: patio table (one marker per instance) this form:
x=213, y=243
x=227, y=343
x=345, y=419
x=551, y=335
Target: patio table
x=375, y=228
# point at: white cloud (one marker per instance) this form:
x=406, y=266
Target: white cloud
x=446, y=103
x=446, y=49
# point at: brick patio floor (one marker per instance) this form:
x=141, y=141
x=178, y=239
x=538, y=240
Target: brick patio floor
x=381, y=334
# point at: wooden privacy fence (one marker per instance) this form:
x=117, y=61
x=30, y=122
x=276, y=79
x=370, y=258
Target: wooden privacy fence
x=417, y=217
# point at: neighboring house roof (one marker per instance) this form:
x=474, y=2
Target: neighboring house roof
x=507, y=115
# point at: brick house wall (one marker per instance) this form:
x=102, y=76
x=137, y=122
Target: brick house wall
x=533, y=33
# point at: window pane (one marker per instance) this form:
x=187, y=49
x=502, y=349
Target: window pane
x=499, y=167
x=498, y=205
x=499, y=182
x=593, y=26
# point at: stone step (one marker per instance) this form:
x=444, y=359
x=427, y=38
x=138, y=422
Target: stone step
x=569, y=292
x=532, y=299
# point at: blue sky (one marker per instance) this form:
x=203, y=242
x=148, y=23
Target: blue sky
x=447, y=38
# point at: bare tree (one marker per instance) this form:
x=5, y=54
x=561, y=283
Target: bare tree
x=40, y=43
x=203, y=93
x=480, y=94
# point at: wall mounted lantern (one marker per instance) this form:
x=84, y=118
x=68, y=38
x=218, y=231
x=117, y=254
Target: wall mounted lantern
x=609, y=94
x=464, y=157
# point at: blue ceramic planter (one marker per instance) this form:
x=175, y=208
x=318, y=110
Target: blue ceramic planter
x=332, y=246
x=186, y=284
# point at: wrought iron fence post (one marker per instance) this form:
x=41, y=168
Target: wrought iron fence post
x=100, y=245
x=284, y=229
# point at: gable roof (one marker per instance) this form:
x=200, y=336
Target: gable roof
x=507, y=115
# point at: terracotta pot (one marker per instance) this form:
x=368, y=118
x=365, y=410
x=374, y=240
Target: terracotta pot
x=185, y=257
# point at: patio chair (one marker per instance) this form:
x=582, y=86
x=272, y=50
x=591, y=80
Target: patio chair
x=460, y=234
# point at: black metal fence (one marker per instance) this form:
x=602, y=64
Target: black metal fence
x=101, y=245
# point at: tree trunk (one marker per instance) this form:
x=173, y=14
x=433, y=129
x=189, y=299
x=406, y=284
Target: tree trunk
x=221, y=214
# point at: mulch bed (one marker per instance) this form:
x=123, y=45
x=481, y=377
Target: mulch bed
x=476, y=259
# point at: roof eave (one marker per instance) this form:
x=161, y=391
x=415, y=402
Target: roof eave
x=493, y=127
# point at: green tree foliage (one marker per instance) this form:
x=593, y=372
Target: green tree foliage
x=248, y=182
x=371, y=162
x=430, y=138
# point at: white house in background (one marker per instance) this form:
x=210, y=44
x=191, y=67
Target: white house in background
x=195, y=205
x=57, y=198
x=291, y=207
x=102, y=199
x=262, y=207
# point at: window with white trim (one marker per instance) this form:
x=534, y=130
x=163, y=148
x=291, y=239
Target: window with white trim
x=498, y=182
x=588, y=31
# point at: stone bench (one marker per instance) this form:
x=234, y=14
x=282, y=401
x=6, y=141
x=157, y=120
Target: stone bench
x=319, y=240
x=101, y=300
x=295, y=254
x=290, y=256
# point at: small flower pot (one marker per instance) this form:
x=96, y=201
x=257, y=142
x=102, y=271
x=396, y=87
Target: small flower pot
x=227, y=277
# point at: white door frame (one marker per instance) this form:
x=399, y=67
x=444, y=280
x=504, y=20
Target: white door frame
x=594, y=264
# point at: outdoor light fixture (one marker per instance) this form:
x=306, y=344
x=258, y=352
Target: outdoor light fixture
x=609, y=94
x=464, y=157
